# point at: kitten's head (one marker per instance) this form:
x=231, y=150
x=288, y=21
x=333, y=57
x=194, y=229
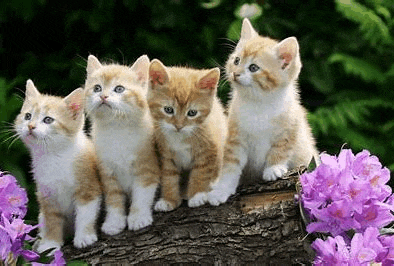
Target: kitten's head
x=49, y=120
x=263, y=63
x=180, y=99
x=116, y=91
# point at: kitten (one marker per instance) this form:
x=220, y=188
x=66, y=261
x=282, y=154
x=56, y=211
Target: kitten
x=122, y=132
x=268, y=129
x=63, y=165
x=190, y=129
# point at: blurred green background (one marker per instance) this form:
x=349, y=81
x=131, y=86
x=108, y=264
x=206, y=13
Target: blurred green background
x=347, y=51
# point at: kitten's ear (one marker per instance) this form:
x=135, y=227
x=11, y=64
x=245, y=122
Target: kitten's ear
x=93, y=64
x=287, y=51
x=31, y=90
x=209, y=82
x=247, y=32
x=140, y=67
x=158, y=74
x=74, y=102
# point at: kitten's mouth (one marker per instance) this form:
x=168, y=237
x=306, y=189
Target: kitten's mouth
x=105, y=104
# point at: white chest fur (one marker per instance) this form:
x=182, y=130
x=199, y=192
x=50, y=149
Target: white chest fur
x=181, y=150
x=117, y=147
x=55, y=176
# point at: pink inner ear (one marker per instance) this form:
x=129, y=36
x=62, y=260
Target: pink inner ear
x=286, y=59
x=156, y=77
x=75, y=108
x=208, y=83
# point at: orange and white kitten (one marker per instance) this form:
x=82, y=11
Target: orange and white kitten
x=268, y=129
x=122, y=132
x=190, y=129
x=63, y=164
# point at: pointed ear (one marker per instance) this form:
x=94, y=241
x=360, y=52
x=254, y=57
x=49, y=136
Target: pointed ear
x=140, y=67
x=74, y=102
x=247, y=31
x=93, y=64
x=210, y=81
x=287, y=51
x=158, y=74
x=31, y=90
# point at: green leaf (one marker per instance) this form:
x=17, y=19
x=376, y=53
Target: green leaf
x=234, y=31
x=359, y=67
x=211, y=4
x=76, y=263
x=373, y=27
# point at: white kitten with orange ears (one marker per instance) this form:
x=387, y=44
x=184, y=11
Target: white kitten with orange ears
x=268, y=129
x=122, y=132
x=64, y=166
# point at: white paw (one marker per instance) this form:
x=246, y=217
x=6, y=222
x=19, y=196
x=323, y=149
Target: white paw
x=198, y=199
x=218, y=196
x=84, y=240
x=139, y=220
x=274, y=172
x=163, y=206
x=114, y=224
x=47, y=244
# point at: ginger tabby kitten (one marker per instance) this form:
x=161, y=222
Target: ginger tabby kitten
x=122, y=132
x=268, y=128
x=190, y=129
x=64, y=166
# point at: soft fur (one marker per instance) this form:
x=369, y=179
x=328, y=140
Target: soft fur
x=268, y=129
x=187, y=143
x=122, y=132
x=64, y=166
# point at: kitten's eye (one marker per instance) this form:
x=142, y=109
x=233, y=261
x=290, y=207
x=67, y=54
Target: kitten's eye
x=236, y=61
x=119, y=89
x=97, y=88
x=27, y=116
x=192, y=113
x=169, y=110
x=48, y=120
x=253, y=68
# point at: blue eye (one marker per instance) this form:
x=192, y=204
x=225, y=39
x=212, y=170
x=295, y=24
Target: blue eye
x=119, y=89
x=97, y=88
x=48, y=120
x=27, y=116
x=253, y=68
x=192, y=113
x=169, y=110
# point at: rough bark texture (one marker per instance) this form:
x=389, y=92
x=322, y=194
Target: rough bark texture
x=260, y=225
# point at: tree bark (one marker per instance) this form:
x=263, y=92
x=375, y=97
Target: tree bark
x=261, y=224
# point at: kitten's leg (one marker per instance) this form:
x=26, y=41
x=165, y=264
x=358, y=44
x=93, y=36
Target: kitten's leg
x=170, y=192
x=206, y=169
x=235, y=158
x=85, y=222
x=52, y=222
x=115, y=219
x=147, y=176
x=276, y=162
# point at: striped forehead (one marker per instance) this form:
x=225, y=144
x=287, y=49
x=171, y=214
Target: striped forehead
x=183, y=86
x=44, y=105
x=257, y=46
x=119, y=73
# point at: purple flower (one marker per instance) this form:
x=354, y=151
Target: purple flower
x=347, y=192
x=13, y=200
x=57, y=261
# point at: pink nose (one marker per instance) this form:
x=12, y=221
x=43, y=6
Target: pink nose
x=103, y=97
x=31, y=127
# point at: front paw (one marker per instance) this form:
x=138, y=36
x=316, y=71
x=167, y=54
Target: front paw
x=139, y=220
x=274, y=172
x=114, y=224
x=163, y=205
x=218, y=196
x=48, y=244
x=84, y=240
x=198, y=199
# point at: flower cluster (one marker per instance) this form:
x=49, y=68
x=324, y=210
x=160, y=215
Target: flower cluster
x=347, y=192
x=13, y=230
x=364, y=248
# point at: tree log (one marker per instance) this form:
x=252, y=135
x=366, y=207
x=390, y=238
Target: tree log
x=261, y=224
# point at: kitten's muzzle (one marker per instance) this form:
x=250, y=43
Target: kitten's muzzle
x=235, y=76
